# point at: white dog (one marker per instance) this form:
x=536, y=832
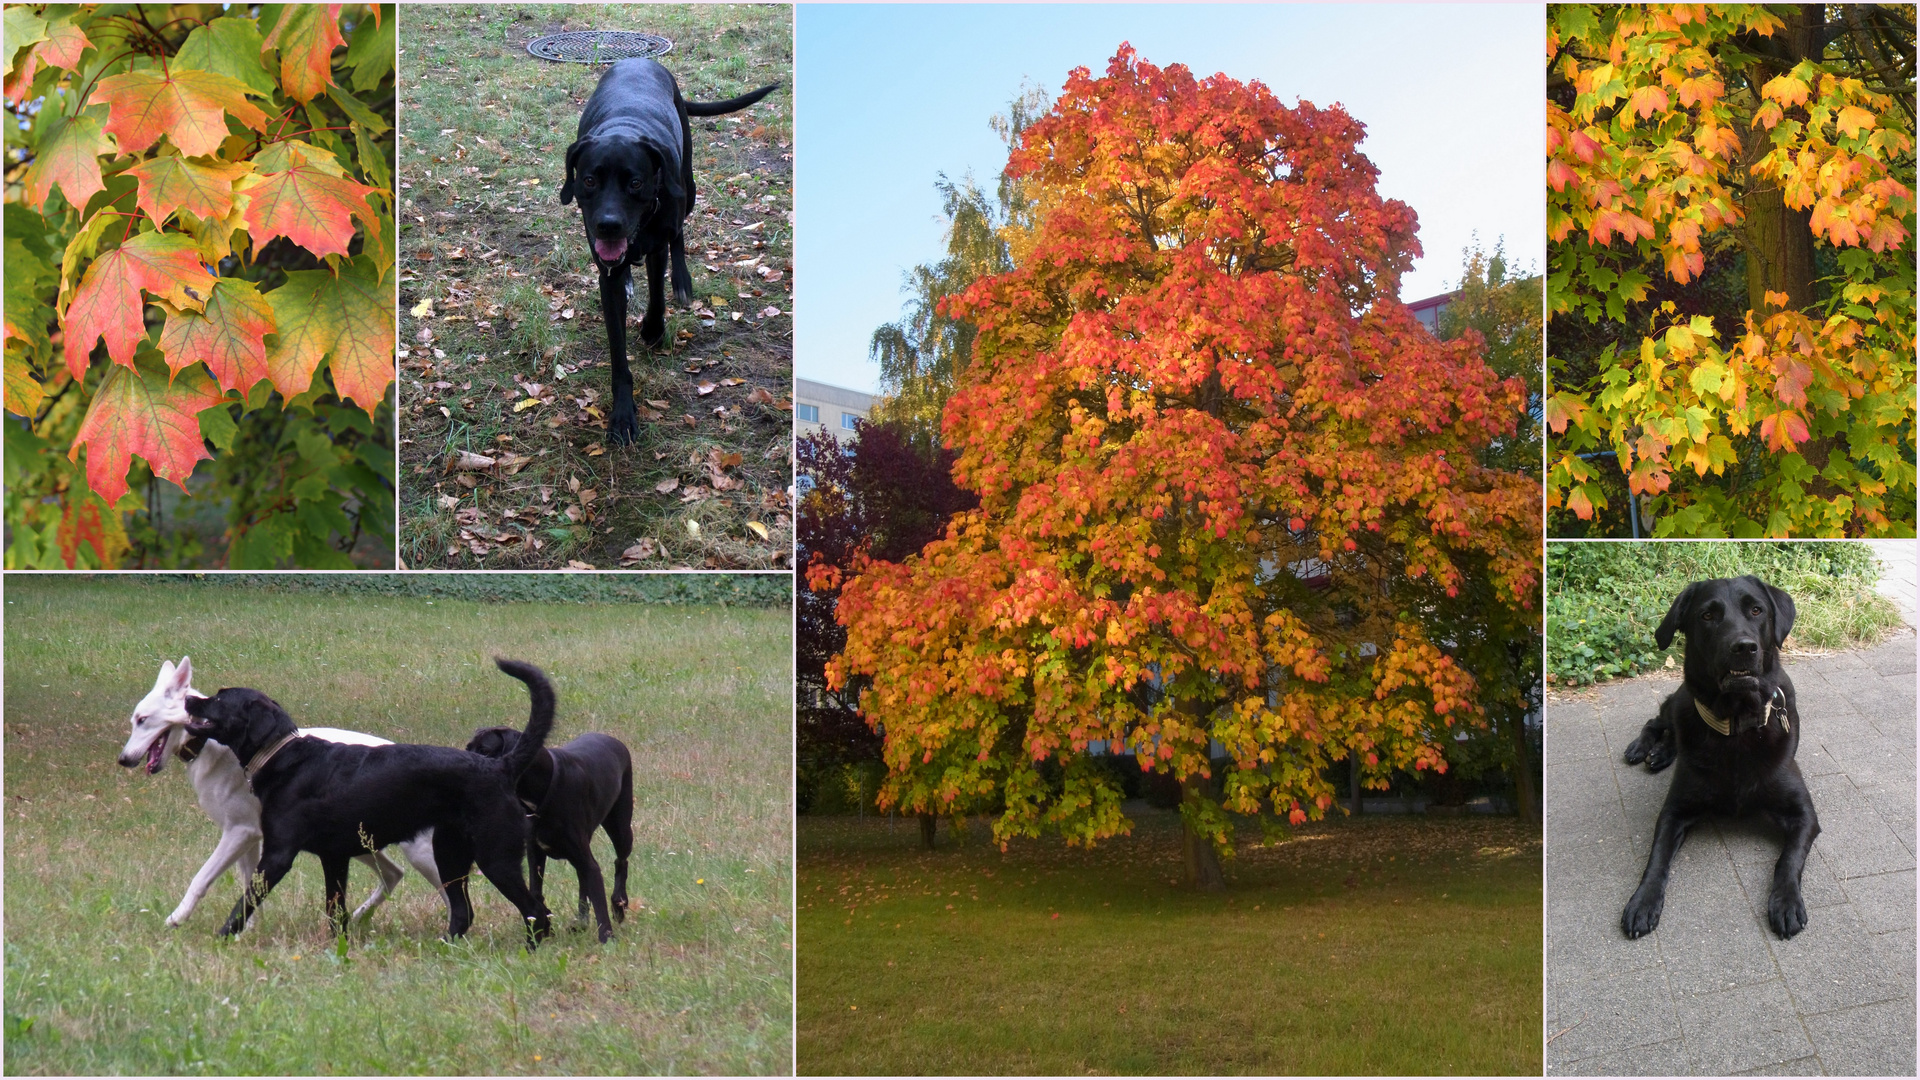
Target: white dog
x=159, y=732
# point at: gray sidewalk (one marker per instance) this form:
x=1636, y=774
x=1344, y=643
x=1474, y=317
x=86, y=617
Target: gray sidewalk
x=1713, y=991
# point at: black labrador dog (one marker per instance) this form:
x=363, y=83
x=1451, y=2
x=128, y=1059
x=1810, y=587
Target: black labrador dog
x=569, y=791
x=340, y=801
x=631, y=167
x=1733, y=727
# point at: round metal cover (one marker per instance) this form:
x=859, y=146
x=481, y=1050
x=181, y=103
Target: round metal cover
x=598, y=46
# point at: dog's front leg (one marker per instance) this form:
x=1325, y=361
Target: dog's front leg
x=1786, y=908
x=1643, y=911
x=273, y=866
x=623, y=425
x=537, y=875
x=333, y=869
x=593, y=888
x=234, y=843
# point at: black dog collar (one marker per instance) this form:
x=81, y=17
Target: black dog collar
x=1777, y=703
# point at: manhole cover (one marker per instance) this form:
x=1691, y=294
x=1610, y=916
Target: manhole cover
x=598, y=46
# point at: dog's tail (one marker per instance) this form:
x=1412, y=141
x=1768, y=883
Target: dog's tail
x=539, y=724
x=718, y=108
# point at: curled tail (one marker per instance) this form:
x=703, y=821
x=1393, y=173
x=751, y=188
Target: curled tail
x=539, y=724
x=717, y=108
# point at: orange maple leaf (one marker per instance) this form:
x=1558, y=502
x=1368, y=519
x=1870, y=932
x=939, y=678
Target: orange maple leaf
x=187, y=106
x=175, y=183
x=307, y=204
x=107, y=302
x=140, y=412
x=69, y=156
x=229, y=336
x=306, y=36
x=350, y=316
x=62, y=48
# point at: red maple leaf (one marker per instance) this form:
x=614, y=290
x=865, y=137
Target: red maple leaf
x=308, y=204
x=107, y=302
x=62, y=48
x=306, y=36
x=175, y=183
x=187, y=106
x=68, y=156
x=229, y=336
x=140, y=412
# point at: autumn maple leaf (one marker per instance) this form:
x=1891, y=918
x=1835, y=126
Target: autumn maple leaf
x=69, y=157
x=107, y=303
x=61, y=48
x=169, y=183
x=229, y=336
x=306, y=36
x=350, y=316
x=308, y=203
x=187, y=106
x=139, y=412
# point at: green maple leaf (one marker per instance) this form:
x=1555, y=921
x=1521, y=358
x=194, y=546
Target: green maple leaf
x=68, y=157
x=370, y=53
x=229, y=336
x=171, y=183
x=228, y=46
x=189, y=107
x=107, y=302
x=350, y=317
x=140, y=412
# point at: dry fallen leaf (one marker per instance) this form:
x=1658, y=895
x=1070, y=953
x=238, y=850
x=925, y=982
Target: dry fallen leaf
x=423, y=309
x=523, y=406
x=760, y=395
x=596, y=450
x=576, y=564
x=705, y=388
x=693, y=528
x=659, y=404
x=448, y=502
x=667, y=485
x=759, y=530
x=468, y=460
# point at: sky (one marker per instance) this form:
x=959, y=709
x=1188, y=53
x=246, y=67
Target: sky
x=891, y=96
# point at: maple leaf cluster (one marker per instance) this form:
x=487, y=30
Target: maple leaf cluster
x=1223, y=477
x=1675, y=126
x=227, y=225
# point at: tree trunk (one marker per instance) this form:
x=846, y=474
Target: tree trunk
x=1523, y=773
x=927, y=824
x=1202, y=862
x=1353, y=779
x=1778, y=241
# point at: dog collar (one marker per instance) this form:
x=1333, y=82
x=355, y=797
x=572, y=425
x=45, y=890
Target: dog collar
x=191, y=748
x=1777, y=703
x=260, y=760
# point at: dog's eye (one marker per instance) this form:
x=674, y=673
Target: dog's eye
x=591, y=183
x=633, y=185
x=1755, y=611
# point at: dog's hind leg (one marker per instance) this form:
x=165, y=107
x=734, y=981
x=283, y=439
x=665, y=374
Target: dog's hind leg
x=592, y=887
x=387, y=875
x=334, y=869
x=419, y=852
x=453, y=858
x=619, y=826
x=537, y=875
x=503, y=870
x=235, y=845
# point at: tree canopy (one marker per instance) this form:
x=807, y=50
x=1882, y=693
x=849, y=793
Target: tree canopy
x=1224, y=480
x=1731, y=271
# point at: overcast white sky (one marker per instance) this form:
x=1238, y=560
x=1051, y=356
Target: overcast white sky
x=889, y=96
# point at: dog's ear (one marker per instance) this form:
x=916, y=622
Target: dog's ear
x=1676, y=617
x=181, y=676
x=573, y=159
x=1782, y=611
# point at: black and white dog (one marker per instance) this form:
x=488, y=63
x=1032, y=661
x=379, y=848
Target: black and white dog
x=570, y=791
x=631, y=167
x=1733, y=728
x=342, y=801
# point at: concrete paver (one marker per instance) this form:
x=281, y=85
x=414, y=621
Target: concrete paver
x=1713, y=991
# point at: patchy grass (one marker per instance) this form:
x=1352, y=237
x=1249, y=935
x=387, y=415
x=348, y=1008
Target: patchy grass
x=515, y=311
x=1382, y=945
x=697, y=980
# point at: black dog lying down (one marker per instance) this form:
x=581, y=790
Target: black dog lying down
x=569, y=791
x=1734, y=728
x=632, y=170
x=340, y=801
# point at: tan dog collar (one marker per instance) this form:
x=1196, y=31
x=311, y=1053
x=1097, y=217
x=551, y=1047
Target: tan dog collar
x=1725, y=727
x=260, y=760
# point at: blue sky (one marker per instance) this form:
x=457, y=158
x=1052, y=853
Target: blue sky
x=892, y=95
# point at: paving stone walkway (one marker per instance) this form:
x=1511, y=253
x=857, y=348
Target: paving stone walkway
x=1713, y=991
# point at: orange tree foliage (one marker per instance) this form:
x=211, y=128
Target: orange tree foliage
x=1224, y=476
x=198, y=258
x=1684, y=136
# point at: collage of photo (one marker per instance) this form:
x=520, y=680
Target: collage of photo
x=959, y=539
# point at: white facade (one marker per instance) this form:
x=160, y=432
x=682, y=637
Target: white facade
x=817, y=406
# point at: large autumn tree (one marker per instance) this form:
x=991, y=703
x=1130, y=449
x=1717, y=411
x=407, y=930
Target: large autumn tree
x=1223, y=476
x=1731, y=278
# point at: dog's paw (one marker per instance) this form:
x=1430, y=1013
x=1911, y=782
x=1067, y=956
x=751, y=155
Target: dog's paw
x=653, y=329
x=1661, y=754
x=1637, y=749
x=1656, y=750
x=178, y=917
x=623, y=427
x=1642, y=914
x=1786, y=911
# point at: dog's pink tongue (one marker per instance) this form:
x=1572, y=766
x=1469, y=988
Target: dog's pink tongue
x=610, y=250
x=156, y=754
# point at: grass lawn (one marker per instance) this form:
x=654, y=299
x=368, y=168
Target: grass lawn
x=698, y=979
x=515, y=304
x=1382, y=945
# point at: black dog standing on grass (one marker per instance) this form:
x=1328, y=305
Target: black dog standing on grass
x=339, y=801
x=1734, y=727
x=631, y=167
x=569, y=791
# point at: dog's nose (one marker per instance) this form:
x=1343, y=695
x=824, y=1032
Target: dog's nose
x=1746, y=649
x=610, y=228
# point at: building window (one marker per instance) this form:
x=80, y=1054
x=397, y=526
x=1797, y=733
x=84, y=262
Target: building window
x=847, y=420
x=809, y=413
